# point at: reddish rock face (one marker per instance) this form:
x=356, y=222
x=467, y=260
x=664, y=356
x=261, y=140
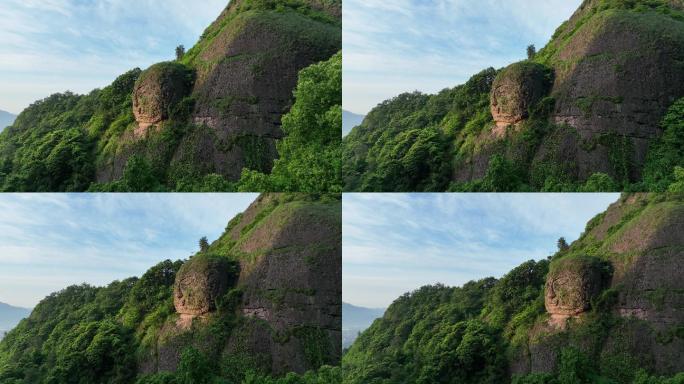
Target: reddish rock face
x=159, y=89
x=199, y=283
x=516, y=89
x=570, y=288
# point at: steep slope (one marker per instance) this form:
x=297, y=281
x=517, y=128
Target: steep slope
x=607, y=309
x=263, y=299
x=587, y=107
x=207, y=116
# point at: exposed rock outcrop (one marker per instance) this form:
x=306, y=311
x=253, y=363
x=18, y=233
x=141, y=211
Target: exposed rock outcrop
x=295, y=287
x=159, y=89
x=641, y=237
x=246, y=73
x=617, y=72
x=200, y=282
x=571, y=286
x=284, y=305
x=516, y=89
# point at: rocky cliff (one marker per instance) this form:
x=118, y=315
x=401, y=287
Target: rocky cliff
x=244, y=70
x=617, y=294
x=192, y=124
x=587, y=108
x=264, y=299
x=607, y=309
x=275, y=276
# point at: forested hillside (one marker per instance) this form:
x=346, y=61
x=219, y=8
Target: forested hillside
x=203, y=121
x=600, y=108
x=261, y=304
x=605, y=309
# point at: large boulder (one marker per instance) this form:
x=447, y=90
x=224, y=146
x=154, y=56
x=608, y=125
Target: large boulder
x=200, y=282
x=571, y=285
x=158, y=89
x=516, y=89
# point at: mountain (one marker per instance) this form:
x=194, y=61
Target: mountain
x=10, y=316
x=261, y=301
x=599, y=108
x=349, y=121
x=193, y=124
x=356, y=320
x=6, y=119
x=606, y=309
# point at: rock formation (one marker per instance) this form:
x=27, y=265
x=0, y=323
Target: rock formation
x=641, y=237
x=516, y=89
x=570, y=288
x=287, y=293
x=159, y=89
x=200, y=283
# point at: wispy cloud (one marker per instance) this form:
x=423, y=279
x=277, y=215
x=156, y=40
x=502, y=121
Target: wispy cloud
x=50, y=241
x=52, y=46
x=395, y=243
x=405, y=45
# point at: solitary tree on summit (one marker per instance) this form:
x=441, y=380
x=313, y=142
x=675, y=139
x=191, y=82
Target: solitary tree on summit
x=204, y=244
x=180, y=52
x=531, y=51
x=562, y=244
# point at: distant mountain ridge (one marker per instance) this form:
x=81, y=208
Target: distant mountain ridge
x=11, y=315
x=349, y=121
x=6, y=119
x=355, y=320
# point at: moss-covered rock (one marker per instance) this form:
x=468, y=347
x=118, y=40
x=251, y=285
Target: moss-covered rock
x=157, y=91
x=201, y=282
x=571, y=286
x=516, y=89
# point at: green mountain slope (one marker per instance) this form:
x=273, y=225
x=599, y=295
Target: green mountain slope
x=606, y=309
x=261, y=301
x=587, y=112
x=192, y=124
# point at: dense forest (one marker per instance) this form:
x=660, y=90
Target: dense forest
x=569, y=118
x=135, y=330
x=621, y=277
x=222, y=117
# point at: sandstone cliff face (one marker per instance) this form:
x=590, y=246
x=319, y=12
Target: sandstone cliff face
x=157, y=90
x=641, y=237
x=288, y=311
x=245, y=77
x=293, y=288
x=243, y=73
x=516, y=89
x=570, y=288
x=617, y=72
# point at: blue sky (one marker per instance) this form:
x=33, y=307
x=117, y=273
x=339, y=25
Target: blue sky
x=52, y=46
x=397, y=46
x=396, y=243
x=51, y=241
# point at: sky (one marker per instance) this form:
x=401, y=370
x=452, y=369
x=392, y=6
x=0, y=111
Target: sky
x=51, y=46
x=396, y=243
x=51, y=241
x=392, y=47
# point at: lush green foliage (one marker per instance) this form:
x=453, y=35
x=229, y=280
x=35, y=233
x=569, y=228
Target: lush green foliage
x=666, y=153
x=449, y=335
x=406, y=143
x=310, y=153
